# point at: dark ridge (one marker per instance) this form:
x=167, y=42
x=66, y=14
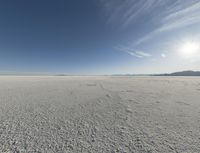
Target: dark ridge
x=182, y=73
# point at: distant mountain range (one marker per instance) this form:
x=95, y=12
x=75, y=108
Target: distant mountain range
x=182, y=73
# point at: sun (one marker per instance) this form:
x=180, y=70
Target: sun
x=189, y=49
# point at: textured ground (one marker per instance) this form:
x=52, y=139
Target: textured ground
x=100, y=114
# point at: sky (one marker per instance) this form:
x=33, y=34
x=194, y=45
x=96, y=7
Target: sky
x=99, y=36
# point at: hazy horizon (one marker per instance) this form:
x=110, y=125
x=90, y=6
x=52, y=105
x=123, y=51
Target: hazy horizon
x=85, y=74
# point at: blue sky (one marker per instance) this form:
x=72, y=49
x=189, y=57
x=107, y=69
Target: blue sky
x=99, y=36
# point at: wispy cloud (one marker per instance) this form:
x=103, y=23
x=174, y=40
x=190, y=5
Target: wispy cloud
x=143, y=54
x=132, y=52
x=184, y=17
x=166, y=14
x=163, y=55
x=126, y=11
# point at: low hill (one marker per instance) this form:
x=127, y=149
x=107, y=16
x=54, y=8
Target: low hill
x=182, y=73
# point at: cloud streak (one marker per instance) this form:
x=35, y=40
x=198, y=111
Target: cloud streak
x=126, y=11
x=135, y=53
x=182, y=18
x=167, y=15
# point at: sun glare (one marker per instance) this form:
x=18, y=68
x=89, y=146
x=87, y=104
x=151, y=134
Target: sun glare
x=189, y=49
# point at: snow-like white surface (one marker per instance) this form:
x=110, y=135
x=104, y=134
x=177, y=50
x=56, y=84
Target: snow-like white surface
x=100, y=114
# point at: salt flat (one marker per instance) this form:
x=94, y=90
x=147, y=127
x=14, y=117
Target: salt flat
x=99, y=114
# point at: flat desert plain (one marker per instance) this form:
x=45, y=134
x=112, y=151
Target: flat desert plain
x=65, y=114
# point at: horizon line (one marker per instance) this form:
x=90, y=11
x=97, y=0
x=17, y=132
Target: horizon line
x=65, y=74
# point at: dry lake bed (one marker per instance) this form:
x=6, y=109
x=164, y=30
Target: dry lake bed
x=64, y=114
